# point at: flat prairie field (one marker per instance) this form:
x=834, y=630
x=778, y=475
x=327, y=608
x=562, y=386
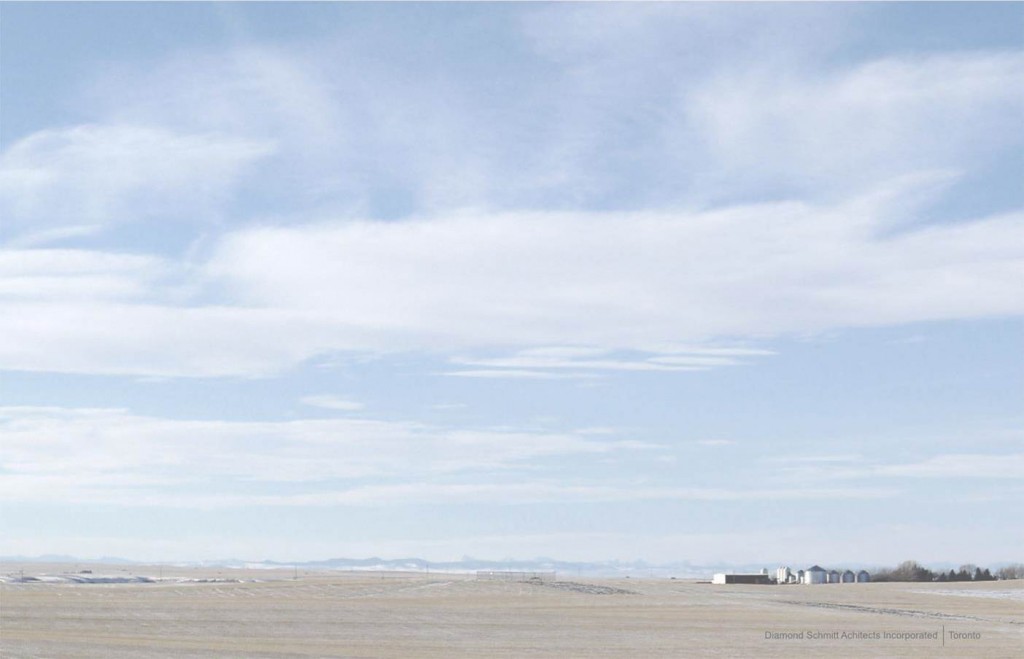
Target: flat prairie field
x=186, y=612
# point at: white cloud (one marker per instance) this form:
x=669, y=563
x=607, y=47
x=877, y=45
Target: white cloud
x=844, y=128
x=627, y=281
x=963, y=465
x=623, y=109
x=329, y=402
x=541, y=294
x=79, y=336
x=596, y=430
x=114, y=456
x=804, y=459
x=75, y=274
x=531, y=492
x=253, y=91
x=56, y=234
x=552, y=362
x=944, y=466
x=715, y=442
x=348, y=126
x=516, y=374
x=610, y=282
x=103, y=174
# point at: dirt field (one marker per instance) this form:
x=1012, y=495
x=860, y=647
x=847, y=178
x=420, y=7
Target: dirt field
x=271, y=614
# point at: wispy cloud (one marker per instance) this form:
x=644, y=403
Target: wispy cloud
x=102, y=174
x=46, y=455
x=944, y=466
x=296, y=292
x=139, y=460
x=631, y=281
x=36, y=275
x=748, y=118
x=817, y=459
x=715, y=442
x=54, y=235
x=329, y=402
x=469, y=271
x=534, y=492
x=517, y=374
x=960, y=465
x=553, y=362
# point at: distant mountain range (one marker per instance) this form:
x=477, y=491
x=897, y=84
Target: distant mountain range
x=470, y=564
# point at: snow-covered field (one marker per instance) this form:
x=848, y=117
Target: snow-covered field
x=105, y=579
x=1009, y=594
x=164, y=612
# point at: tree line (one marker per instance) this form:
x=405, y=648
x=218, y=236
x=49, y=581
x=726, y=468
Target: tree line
x=913, y=571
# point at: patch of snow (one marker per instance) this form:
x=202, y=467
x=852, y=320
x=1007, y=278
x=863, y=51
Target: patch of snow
x=1015, y=594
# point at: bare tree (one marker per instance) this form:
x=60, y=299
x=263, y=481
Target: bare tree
x=912, y=571
x=1012, y=571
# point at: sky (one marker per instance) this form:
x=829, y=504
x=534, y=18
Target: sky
x=671, y=282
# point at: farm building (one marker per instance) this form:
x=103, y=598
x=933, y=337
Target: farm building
x=815, y=574
x=729, y=578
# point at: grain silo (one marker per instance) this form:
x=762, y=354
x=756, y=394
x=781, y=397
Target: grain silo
x=849, y=576
x=863, y=576
x=815, y=575
x=834, y=576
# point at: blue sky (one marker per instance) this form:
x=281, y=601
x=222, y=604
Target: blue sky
x=592, y=281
